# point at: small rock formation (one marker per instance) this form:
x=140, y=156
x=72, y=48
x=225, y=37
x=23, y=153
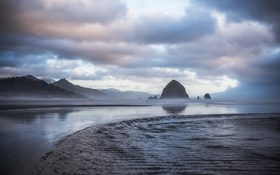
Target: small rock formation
x=174, y=89
x=198, y=98
x=153, y=98
x=207, y=97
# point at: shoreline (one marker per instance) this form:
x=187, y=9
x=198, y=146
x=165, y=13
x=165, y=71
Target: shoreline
x=69, y=145
x=15, y=105
x=156, y=118
x=33, y=106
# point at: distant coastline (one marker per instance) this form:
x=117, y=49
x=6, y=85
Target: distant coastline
x=12, y=107
x=47, y=103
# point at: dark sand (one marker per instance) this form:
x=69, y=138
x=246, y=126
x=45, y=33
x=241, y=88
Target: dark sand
x=199, y=144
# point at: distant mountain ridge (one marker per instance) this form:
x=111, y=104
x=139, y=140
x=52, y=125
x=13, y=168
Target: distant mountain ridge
x=31, y=77
x=100, y=93
x=30, y=86
x=88, y=92
x=48, y=80
x=115, y=93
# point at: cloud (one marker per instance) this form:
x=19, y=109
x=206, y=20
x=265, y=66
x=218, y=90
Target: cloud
x=48, y=27
x=8, y=18
x=267, y=68
x=38, y=27
x=224, y=50
x=66, y=11
x=167, y=29
x=55, y=19
x=213, y=47
x=259, y=10
x=82, y=11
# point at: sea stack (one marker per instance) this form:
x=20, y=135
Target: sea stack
x=174, y=89
x=153, y=98
x=207, y=96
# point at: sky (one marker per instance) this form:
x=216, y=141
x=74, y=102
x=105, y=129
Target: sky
x=209, y=46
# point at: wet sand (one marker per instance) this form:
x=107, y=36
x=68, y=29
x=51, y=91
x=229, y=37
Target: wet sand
x=195, y=144
x=32, y=104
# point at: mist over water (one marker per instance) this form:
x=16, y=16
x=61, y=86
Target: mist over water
x=27, y=134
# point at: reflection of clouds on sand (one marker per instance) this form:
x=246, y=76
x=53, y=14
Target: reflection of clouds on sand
x=29, y=115
x=24, y=134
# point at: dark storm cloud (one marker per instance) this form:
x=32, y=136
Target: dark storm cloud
x=268, y=68
x=260, y=10
x=8, y=17
x=20, y=49
x=8, y=60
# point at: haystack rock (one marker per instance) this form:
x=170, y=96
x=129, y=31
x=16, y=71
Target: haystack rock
x=207, y=96
x=174, y=89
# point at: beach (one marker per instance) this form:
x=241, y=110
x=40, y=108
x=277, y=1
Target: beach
x=174, y=144
x=139, y=87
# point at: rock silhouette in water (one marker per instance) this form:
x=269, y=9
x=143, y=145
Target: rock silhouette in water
x=207, y=96
x=174, y=89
